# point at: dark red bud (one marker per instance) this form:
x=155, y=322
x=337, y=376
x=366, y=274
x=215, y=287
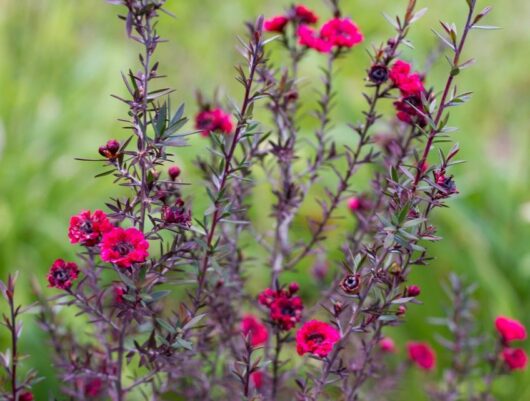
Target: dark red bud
x=293, y=288
x=413, y=291
x=174, y=172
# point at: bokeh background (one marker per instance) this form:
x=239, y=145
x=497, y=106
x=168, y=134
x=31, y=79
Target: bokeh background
x=61, y=59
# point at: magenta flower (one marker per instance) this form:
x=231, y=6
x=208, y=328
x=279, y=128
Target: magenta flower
x=124, y=247
x=317, y=338
x=87, y=229
x=62, y=274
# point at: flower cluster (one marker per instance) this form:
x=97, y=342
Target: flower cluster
x=299, y=14
x=285, y=308
x=195, y=344
x=123, y=247
x=336, y=33
x=410, y=105
x=512, y=330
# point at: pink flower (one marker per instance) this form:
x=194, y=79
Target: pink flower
x=317, y=338
x=409, y=84
x=422, y=355
x=255, y=329
x=387, y=345
x=124, y=247
x=62, y=274
x=305, y=15
x=399, y=71
x=276, y=24
x=87, y=229
x=510, y=329
x=341, y=32
x=515, y=358
x=208, y=121
x=257, y=379
x=285, y=308
x=307, y=37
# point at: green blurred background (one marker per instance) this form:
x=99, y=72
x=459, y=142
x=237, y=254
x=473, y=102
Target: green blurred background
x=61, y=59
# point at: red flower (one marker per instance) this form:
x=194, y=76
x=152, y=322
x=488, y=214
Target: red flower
x=87, y=229
x=285, y=308
x=515, y=358
x=252, y=326
x=208, y=121
x=305, y=15
x=124, y=247
x=510, y=329
x=276, y=24
x=387, y=345
x=409, y=84
x=422, y=355
x=62, y=274
x=257, y=379
x=307, y=37
x=410, y=110
x=399, y=71
x=317, y=338
x=26, y=396
x=341, y=32
x=176, y=214
x=286, y=312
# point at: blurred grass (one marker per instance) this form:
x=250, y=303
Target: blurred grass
x=60, y=60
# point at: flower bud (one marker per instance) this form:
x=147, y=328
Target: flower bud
x=293, y=288
x=401, y=310
x=413, y=291
x=354, y=204
x=387, y=345
x=174, y=172
x=110, y=150
x=338, y=307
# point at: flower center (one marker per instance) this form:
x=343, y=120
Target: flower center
x=60, y=276
x=287, y=310
x=123, y=248
x=315, y=337
x=87, y=227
